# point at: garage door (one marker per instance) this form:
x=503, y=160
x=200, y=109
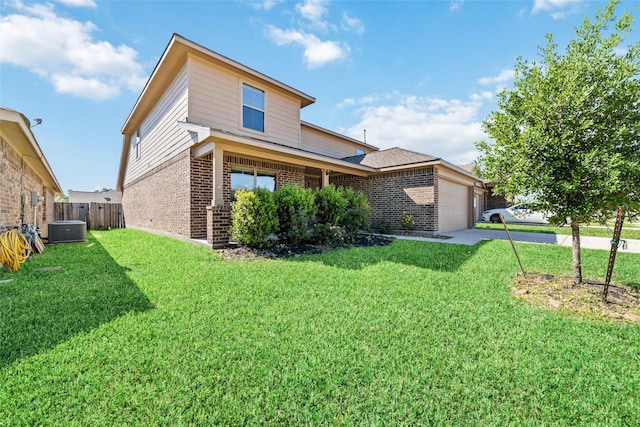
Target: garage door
x=453, y=206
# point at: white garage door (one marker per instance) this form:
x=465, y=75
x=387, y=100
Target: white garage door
x=453, y=206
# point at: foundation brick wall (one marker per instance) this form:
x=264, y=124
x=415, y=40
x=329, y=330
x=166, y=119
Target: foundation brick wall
x=16, y=180
x=161, y=198
x=218, y=225
x=393, y=194
x=201, y=194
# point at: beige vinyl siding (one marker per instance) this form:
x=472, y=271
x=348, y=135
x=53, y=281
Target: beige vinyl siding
x=282, y=118
x=161, y=137
x=329, y=145
x=214, y=97
x=215, y=100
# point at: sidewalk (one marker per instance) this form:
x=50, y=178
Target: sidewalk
x=473, y=236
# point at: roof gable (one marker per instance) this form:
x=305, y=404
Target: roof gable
x=172, y=59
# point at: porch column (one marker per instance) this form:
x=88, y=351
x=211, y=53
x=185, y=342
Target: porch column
x=218, y=215
x=324, y=176
x=218, y=176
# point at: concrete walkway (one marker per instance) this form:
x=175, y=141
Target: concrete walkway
x=473, y=236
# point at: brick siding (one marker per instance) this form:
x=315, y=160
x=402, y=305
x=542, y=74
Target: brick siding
x=160, y=199
x=174, y=197
x=218, y=225
x=18, y=179
x=201, y=194
x=393, y=194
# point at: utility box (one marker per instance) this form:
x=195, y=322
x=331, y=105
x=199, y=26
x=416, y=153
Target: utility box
x=67, y=231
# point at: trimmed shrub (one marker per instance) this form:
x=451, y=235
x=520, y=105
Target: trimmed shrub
x=296, y=210
x=385, y=227
x=327, y=234
x=330, y=204
x=253, y=217
x=357, y=214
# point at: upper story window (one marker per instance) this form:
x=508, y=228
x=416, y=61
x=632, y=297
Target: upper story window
x=136, y=143
x=359, y=151
x=252, y=108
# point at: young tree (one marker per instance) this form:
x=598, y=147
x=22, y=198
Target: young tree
x=568, y=134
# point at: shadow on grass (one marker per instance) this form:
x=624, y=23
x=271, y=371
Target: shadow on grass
x=41, y=309
x=428, y=255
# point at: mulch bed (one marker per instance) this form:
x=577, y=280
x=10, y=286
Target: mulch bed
x=240, y=252
x=544, y=290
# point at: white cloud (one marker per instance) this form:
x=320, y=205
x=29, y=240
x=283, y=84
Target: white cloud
x=313, y=10
x=63, y=51
x=266, y=4
x=352, y=24
x=311, y=22
x=79, y=3
x=504, y=76
x=557, y=8
x=316, y=52
x=455, y=5
x=440, y=127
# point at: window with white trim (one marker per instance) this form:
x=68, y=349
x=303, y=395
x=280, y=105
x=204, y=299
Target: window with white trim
x=252, y=108
x=248, y=179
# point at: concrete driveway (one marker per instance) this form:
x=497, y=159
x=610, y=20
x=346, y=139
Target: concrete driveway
x=473, y=236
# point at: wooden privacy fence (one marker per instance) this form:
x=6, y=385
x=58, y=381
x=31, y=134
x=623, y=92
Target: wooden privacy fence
x=98, y=216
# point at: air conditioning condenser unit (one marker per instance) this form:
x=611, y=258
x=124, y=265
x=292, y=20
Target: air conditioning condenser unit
x=67, y=231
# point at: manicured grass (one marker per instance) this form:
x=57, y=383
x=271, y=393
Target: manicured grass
x=629, y=231
x=141, y=329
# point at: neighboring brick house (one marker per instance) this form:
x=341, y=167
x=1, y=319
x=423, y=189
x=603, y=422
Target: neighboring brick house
x=206, y=125
x=24, y=171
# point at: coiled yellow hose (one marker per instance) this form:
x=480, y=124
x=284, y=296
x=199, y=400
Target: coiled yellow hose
x=14, y=250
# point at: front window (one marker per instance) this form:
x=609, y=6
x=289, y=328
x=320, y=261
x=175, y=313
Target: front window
x=248, y=179
x=252, y=108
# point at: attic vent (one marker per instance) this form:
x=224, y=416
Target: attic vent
x=67, y=231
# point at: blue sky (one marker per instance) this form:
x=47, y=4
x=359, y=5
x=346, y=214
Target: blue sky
x=421, y=75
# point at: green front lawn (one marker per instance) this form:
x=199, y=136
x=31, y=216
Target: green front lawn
x=629, y=231
x=141, y=329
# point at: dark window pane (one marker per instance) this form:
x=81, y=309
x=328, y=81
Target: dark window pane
x=252, y=119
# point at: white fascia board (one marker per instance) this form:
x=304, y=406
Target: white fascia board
x=207, y=137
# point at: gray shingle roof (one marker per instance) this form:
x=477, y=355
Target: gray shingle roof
x=390, y=157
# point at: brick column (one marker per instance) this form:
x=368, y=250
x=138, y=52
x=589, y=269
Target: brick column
x=218, y=224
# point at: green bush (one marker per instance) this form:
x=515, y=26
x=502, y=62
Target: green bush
x=357, y=214
x=330, y=204
x=296, y=210
x=385, y=227
x=327, y=234
x=253, y=217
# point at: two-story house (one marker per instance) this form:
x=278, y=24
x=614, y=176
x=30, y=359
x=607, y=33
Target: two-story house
x=206, y=125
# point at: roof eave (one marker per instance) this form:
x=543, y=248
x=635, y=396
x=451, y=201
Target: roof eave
x=37, y=155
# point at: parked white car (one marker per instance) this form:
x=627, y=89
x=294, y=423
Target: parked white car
x=521, y=213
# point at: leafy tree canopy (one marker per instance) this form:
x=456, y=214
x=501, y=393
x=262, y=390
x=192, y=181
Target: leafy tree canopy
x=568, y=134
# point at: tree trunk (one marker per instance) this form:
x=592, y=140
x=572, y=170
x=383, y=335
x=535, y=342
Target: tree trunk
x=577, y=259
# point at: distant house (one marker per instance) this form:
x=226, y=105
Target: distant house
x=27, y=183
x=206, y=125
x=111, y=196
